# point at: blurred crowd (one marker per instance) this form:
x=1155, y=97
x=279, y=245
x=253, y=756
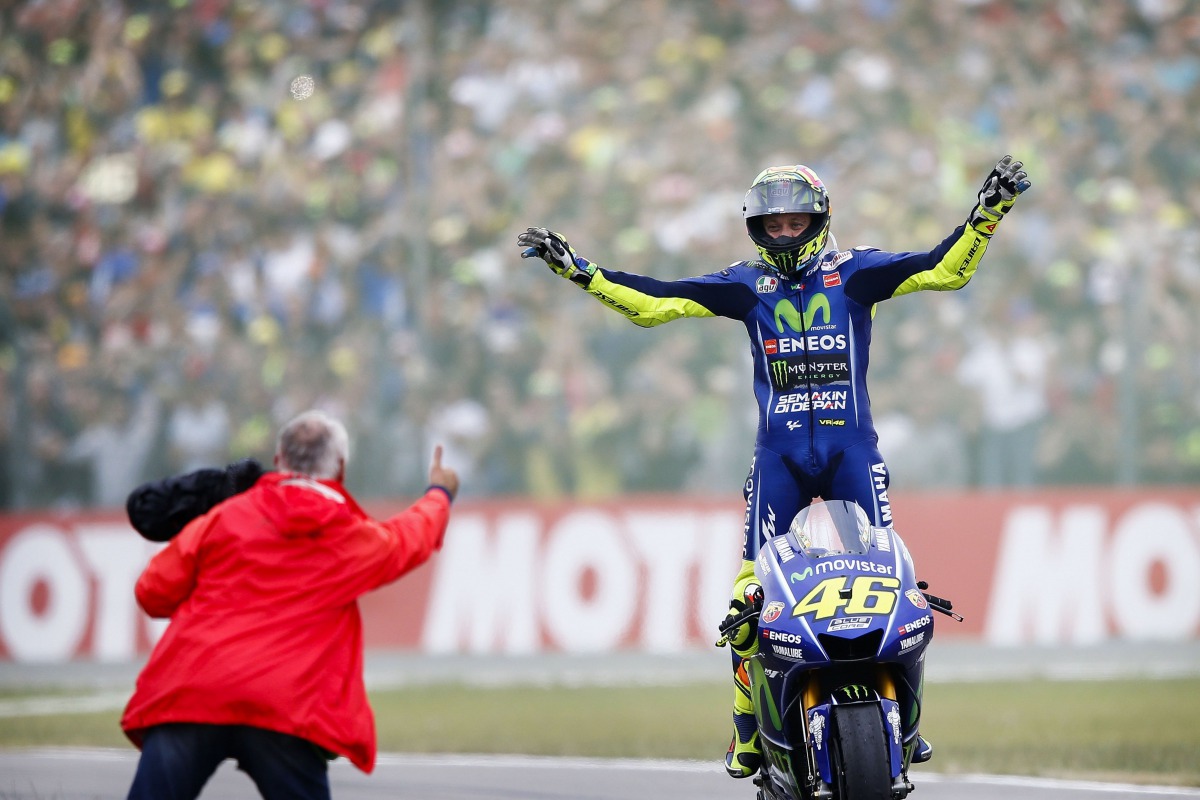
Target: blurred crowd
x=197, y=242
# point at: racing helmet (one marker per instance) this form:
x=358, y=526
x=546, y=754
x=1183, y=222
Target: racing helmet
x=792, y=189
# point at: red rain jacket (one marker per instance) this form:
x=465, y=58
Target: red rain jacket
x=265, y=628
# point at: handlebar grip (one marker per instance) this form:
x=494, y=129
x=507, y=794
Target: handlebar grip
x=944, y=606
x=741, y=619
x=938, y=601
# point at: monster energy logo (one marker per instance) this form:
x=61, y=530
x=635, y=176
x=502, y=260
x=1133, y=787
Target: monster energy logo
x=786, y=312
x=854, y=691
x=779, y=372
x=797, y=371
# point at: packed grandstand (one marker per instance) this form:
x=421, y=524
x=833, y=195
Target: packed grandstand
x=196, y=244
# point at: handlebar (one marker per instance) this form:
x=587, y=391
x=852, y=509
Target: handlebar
x=938, y=603
x=731, y=624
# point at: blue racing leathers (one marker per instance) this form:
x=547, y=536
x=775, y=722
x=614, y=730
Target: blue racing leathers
x=810, y=337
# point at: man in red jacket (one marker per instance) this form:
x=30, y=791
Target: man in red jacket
x=263, y=659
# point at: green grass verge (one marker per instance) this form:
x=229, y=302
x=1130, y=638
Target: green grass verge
x=1127, y=731
x=1134, y=731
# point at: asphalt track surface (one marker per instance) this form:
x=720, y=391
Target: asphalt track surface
x=103, y=774
x=99, y=774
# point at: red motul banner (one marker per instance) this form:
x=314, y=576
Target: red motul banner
x=653, y=574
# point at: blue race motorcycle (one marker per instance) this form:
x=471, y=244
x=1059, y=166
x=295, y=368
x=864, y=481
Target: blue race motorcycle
x=842, y=627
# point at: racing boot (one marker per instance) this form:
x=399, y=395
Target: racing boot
x=745, y=755
x=923, y=751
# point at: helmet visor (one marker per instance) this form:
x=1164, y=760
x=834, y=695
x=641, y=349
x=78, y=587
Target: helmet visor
x=784, y=196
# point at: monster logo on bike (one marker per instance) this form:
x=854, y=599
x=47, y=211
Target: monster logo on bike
x=854, y=691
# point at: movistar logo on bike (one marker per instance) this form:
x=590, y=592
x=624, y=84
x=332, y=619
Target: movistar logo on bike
x=787, y=313
x=799, y=576
x=851, y=565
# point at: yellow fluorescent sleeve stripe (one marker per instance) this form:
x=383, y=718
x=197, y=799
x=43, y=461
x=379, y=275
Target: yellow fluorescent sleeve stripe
x=642, y=309
x=955, y=268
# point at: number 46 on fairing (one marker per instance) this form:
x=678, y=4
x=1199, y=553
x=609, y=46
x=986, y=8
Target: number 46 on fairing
x=868, y=594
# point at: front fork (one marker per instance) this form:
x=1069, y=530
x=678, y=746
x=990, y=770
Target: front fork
x=817, y=703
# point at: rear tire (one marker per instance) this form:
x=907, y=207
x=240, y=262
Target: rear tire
x=859, y=755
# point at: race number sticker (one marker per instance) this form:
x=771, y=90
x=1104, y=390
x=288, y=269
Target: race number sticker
x=868, y=595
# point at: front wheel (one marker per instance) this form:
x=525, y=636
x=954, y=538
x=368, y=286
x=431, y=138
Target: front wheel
x=858, y=754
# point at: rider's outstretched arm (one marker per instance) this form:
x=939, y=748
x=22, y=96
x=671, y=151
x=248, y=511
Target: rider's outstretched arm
x=953, y=262
x=644, y=301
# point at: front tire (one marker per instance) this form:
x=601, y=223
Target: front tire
x=858, y=754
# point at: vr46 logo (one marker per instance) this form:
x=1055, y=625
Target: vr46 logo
x=868, y=595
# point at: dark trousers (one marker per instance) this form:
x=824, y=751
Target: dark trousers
x=179, y=758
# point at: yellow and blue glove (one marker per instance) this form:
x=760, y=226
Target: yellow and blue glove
x=558, y=255
x=1000, y=190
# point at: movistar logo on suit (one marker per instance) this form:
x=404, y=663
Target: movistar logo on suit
x=787, y=313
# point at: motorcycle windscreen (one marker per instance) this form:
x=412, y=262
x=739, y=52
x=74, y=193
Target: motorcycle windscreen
x=832, y=527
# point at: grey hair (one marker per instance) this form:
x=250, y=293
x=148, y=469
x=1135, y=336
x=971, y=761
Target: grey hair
x=314, y=444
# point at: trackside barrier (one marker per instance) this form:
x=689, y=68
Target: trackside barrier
x=1047, y=568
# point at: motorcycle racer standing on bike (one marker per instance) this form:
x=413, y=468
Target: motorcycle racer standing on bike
x=807, y=308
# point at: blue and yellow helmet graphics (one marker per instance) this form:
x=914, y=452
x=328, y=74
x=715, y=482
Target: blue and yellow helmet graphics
x=794, y=189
